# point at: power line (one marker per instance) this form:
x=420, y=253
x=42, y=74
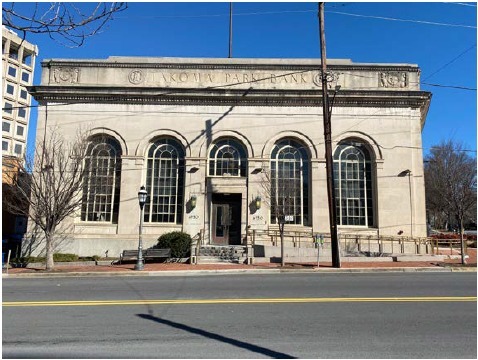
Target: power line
x=403, y=20
x=462, y=4
x=450, y=62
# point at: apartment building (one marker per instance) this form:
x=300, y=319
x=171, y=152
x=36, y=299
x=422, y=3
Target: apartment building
x=18, y=61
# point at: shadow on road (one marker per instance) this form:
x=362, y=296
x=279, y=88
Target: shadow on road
x=224, y=339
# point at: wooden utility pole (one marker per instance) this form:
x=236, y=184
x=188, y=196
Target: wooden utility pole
x=328, y=145
x=230, y=30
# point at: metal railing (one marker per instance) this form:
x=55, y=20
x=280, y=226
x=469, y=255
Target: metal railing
x=442, y=246
x=350, y=244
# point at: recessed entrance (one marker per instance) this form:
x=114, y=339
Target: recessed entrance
x=226, y=219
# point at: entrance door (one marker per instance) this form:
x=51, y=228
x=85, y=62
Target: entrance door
x=226, y=219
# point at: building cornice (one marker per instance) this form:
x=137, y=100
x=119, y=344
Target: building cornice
x=227, y=66
x=227, y=97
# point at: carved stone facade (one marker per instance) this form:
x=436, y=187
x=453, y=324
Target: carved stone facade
x=225, y=123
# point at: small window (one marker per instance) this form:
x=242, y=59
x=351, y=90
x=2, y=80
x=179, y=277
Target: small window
x=13, y=54
x=27, y=58
x=12, y=71
x=18, y=149
x=23, y=94
x=8, y=108
x=4, y=145
x=25, y=76
x=5, y=126
x=20, y=130
x=22, y=113
x=10, y=89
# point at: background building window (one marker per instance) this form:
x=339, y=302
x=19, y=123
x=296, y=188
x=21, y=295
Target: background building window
x=12, y=71
x=165, y=182
x=4, y=145
x=227, y=158
x=290, y=182
x=27, y=58
x=18, y=149
x=25, y=76
x=10, y=89
x=353, y=185
x=20, y=130
x=13, y=53
x=5, y=126
x=22, y=112
x=8, y=108
x=101, y=186
x=23, y=94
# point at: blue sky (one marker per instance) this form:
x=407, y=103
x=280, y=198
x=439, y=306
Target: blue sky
x=440, y=38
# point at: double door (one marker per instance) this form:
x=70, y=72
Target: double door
x=226, y=219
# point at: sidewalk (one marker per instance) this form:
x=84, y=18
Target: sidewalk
x=182, y=269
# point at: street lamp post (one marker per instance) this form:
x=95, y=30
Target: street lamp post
x=142, y=195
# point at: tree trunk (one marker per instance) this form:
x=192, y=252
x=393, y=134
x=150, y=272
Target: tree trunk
x=50, y=264
x=281, y=231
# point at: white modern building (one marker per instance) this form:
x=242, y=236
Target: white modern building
x=18, y=63
x=212, y=140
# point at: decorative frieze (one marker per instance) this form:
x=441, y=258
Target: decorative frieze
x=66, y=75
x=393, y=79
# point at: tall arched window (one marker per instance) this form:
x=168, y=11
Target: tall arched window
x=353, y=184
x=165, y=182
x=289, y=183
x=101, y=185
x=227, y=158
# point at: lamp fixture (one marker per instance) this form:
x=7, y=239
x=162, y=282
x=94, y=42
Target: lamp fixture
x=193, y=201
x=142, y=195
x=258, y=202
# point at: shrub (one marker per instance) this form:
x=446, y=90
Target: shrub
x=179, y=243
x=65, y=257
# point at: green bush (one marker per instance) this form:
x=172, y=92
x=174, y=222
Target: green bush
x=179, y=243
x=65, y=257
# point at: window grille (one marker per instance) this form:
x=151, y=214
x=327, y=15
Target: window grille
x=353, y=185
x=289, y=183
x=227, y=158
x=101, y=186
x=164, y=182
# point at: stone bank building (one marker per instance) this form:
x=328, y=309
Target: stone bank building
x=201, y=133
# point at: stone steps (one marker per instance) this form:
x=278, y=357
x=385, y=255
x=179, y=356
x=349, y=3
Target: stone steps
x=209, y=254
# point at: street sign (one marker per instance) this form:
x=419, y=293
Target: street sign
x=289, y=218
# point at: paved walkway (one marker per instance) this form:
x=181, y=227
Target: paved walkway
x=180, y=268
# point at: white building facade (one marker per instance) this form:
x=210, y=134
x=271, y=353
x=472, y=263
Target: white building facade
x=212, y=140
x=18, y=63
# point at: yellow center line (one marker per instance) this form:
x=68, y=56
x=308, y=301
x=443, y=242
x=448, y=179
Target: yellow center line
x=237, y=301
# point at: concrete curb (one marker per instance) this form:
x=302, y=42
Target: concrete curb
x=238, y=272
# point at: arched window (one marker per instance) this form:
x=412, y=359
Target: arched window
x=289, y=183
x=101, y=185
x=227, y=158
x=353, y=184
x=165, y=182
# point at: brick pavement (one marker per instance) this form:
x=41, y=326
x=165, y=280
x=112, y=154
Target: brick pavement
x=129, y=268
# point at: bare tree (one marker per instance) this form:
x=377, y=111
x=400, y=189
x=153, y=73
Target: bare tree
x=282, y=193
x=66, y=23
x=450, y=180
x=47, y=187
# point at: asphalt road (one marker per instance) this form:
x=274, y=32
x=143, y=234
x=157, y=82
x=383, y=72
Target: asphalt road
x=394, y=315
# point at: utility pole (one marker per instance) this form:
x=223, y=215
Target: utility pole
x=328, y=145
x=230, y=30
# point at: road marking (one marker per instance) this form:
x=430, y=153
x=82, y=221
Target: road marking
x=238, y=301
